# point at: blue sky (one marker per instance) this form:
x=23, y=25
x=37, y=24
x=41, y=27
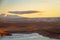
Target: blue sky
x=23, y=2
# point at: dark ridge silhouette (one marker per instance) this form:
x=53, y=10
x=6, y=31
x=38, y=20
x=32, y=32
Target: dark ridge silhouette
x=49, y=27
x=23, y=12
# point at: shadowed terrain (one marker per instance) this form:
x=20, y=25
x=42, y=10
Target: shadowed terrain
x=49, y=27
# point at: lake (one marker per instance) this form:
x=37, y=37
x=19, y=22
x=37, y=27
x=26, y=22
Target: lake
x=33, y=36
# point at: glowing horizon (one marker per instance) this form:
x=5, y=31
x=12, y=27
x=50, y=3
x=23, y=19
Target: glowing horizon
x=51, y=8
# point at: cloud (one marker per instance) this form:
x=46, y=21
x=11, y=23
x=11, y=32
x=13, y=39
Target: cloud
x=23, y=12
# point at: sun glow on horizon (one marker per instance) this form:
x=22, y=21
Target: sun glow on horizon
x=51, y=8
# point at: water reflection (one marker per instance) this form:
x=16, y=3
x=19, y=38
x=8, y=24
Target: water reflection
x=33, y=36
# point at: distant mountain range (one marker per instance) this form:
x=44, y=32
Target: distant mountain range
x=14, y=18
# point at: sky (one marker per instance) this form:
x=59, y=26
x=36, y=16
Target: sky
x=49, y=8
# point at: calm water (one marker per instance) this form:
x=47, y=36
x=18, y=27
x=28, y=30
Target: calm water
x=33, y=36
